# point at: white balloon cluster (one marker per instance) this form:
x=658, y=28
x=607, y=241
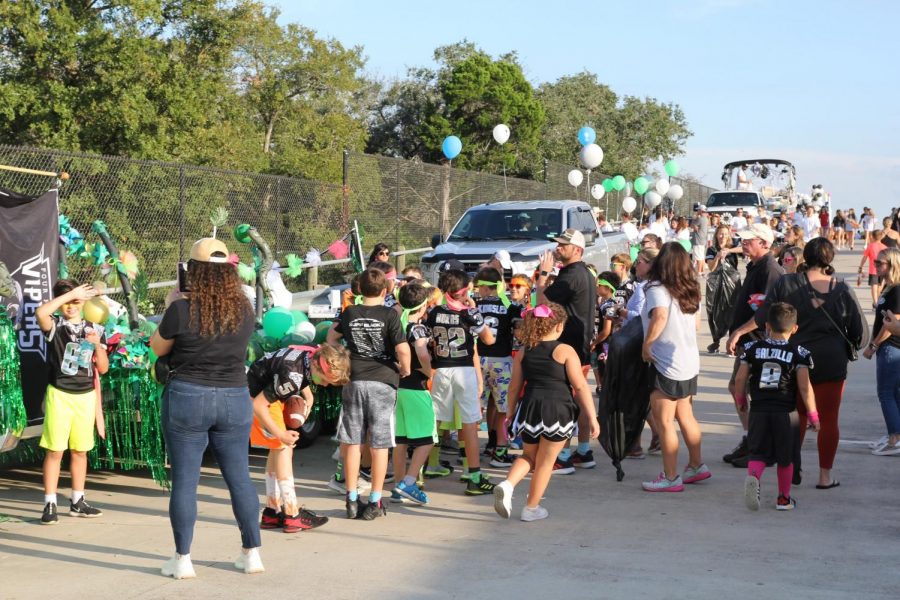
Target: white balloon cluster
x=501, y=133
x=652, y=199
x=597, y=191
x=675, y=192
x=575, y=177
x=591, y=155
x=629, y=204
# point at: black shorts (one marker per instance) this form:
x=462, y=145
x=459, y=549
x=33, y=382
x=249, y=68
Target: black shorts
x=876, y=279
x=672, y=388
x=772, y=435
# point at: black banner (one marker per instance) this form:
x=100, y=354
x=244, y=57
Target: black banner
x=29, y=246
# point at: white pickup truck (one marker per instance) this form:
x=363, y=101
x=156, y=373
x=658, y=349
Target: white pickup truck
x=525, y=229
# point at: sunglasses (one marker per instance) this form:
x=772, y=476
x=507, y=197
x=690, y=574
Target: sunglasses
x=880, y=263
x=646, y=242
x=788, y=259
x=384, y=253
x=517, y=286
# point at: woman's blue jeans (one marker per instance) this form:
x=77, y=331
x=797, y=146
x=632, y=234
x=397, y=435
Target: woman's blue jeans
x=194, y=416
x=887, y=374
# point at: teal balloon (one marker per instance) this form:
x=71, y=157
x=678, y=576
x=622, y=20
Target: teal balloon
x=608, y=185
x=277, y=322
x=451, y=147
x=586, y=135
x=641, y=185
x=618, y=183
x=299, y=317
x=322, y=331
x=671, y=168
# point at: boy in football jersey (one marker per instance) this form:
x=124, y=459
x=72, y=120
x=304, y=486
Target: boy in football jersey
x=773, y=370
x=454, y=328
x=275, y=379
x=76, y=352
x=500, y=316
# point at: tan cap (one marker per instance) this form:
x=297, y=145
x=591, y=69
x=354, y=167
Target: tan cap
x=758, y=231
x=571, y=236
x=209, y=250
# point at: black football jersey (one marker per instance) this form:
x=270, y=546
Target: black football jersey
x=773, y=373
x=415, y=380
x=280, y=374
x=71, y=356
x=454, y=333
x=501, y=320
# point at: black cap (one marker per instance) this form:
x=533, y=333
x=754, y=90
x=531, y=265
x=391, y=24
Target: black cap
x=452, y=264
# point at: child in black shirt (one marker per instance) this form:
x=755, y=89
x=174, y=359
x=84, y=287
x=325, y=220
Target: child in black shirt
x=773, y=371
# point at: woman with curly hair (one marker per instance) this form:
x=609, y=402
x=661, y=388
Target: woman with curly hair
x=547, y=415
x=670, y=345
x=206, y=401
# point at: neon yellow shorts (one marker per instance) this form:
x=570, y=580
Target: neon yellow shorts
x=69, y=420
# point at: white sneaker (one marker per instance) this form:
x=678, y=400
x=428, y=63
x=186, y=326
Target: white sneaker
x=534, y=514
x=888, y=450
x=179, y=567
x=503, y=498
x=250, y=562
x=751, y=492
x=878, y=443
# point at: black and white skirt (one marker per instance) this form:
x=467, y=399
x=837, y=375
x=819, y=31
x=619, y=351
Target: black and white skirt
x=545, y=416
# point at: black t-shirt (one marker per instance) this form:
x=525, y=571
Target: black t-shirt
x=838, y=222
x=454, y=333
x=761, y=276
x=220, y=363
x=576, y=290
x=70, y=370
x=501, y=321
x=416, y=380
x=889, y=301
x=773, y=373
x=624, y=292
x=372, y=333
x=713, y=251
x=280, y=374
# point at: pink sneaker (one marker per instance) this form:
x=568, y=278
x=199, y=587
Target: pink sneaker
x=695, y=474
x=662, y=484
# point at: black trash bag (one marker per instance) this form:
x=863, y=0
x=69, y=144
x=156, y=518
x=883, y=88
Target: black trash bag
x=625, y=395
x=722, y=287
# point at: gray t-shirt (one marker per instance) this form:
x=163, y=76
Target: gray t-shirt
x=700, y=233
x=675, y=354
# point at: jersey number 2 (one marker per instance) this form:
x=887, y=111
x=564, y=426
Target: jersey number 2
x=448, y=341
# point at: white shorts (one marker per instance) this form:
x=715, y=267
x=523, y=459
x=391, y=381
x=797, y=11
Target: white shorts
x=456, y=385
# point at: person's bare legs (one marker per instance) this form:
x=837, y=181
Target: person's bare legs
x=690, y=430
x=78, y=468
x=664, y=414
x=52, y=462
x=419, y=456
x=469, y=434
x=743, y=415
x=350, y=453
x=523, y=464
x=547, y=452
x=399, y=461
x=379, y=468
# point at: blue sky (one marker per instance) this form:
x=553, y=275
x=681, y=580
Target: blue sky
x=815, y=83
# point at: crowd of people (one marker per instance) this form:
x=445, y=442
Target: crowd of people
x=513, y=350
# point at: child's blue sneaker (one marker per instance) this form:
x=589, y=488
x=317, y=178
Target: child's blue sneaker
x=396, y=497
x=410, y=492
x=515, y=444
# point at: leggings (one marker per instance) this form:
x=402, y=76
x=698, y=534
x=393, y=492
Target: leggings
x=828, y=403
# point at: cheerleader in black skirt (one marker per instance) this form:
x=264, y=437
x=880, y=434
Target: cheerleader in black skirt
x=547, y=414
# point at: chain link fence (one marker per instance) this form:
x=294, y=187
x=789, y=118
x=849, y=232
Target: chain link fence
x=156, y=209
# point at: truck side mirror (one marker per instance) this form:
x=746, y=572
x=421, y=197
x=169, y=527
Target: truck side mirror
x=436, y=240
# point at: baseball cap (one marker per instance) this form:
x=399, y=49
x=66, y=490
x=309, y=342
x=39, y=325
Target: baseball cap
x=504, y=258
x=699, y=207
x=758, y=231
x=571, y=236
x=452, y=264
x=209, y=250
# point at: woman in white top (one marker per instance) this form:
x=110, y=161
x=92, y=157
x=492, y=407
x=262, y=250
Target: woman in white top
x=851, y=226
x=670, y=345
x=868, y=224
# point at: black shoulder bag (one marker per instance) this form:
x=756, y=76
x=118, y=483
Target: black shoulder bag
x=852, y=349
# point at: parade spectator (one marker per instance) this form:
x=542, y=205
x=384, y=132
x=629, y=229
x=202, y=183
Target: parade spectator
x=206, y=402
x=889, y=236
x=722, y=249
x=870, y=254
x=651, y=240
x=809, y=223
x=670, y=345
x=851, y=227
x=738, y=221
x=629, y=228
x=381, y=252
x=832, y=327
x=790, y=258
x=743, y=183
x=838, y=225
x=885, y=347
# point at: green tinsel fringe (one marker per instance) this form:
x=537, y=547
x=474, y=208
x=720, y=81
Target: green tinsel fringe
x=12, y=407
x=131, y=402
x=328, y=402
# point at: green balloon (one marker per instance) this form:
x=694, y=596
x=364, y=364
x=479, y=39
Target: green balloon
x=607, y=185
x=241, y=233
x=277, y=322
x=299, y=317
x=322, y=331
x=618, y=183
x=641, y=185
x=671, y=168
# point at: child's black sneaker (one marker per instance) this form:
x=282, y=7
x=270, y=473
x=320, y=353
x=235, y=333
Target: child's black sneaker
x=479, y=489
x=49, y=517
x=83, y=509
x=352, y=507
x=373, y=510
x=271, y=519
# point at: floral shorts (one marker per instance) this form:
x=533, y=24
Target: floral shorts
x=497, y=373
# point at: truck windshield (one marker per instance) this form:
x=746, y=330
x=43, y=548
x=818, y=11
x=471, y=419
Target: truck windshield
x=487, y=224
x=746, y=199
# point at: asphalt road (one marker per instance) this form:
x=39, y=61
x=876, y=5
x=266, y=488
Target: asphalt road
x=603, y=539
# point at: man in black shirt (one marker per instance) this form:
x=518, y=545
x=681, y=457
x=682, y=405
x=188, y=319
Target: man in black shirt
x=575, y=290
x=763, y=271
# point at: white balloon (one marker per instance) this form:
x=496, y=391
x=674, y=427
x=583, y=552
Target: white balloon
x=501, y=133
x=575, y=177
x=652, y=199
x=597, y=191
x=591, y=156
x=662, y=186
x=675, y=192
x=629, y=204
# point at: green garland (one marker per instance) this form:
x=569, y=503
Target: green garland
x=12, y=407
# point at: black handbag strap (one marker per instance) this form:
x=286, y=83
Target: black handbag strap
x=813, y=297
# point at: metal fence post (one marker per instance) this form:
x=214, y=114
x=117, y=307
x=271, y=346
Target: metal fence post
x=397, y=204
x=345, y=191
x=312, y=278
x=401, y=259
x=181, y=214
